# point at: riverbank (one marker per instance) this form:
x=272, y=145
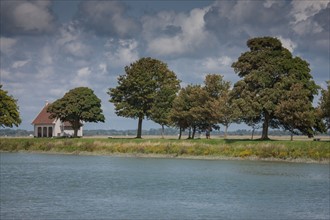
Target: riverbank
x=214, y=149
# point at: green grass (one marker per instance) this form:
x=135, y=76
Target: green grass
x=205, y=148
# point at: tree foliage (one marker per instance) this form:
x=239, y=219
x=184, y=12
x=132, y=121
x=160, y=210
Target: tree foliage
x=270, y=75
x=189, y=109
x=203, y=107
x=77, y=106
x=9, y=110
x=222, y=109
x=324, y=105
x=147, y=89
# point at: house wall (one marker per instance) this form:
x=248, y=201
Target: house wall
x=55, y=130
x=70, y=131
x=58, y=129
x=44, y=130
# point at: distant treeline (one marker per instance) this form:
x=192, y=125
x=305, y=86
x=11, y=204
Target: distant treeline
x=15, y=132
x=173, y=131
x=152, y=131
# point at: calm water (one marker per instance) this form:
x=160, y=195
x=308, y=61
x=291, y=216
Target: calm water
x=94, y=187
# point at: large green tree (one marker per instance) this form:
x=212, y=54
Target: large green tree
x=269, y=73
x=296, y=113
x=221, y=109
x=160, y=110
x=189, y=109
x=203, y=107
x=77, y=106
x=324, y=105
x=9, y=110
x=146, y=87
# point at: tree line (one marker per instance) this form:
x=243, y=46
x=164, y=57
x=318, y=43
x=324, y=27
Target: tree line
x=276, y=90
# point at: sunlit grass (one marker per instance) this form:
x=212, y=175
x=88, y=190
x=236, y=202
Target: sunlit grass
x=209, y=148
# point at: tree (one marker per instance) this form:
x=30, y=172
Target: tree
x=269, y=71
x=223, y=110
x=163, y=101
x=9, y=110
x=295, y=111
x=179, y=114
x=189, y=109
x=324, y=105
x=145, y=82
x=77, y=106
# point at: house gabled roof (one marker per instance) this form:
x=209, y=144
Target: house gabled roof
x=43, y=117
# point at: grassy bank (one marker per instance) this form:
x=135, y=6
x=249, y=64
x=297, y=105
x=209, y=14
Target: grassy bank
x=318, y=151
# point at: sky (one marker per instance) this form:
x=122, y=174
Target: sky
x=49, y=47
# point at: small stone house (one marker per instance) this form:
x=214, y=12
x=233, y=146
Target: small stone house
x=47, y=127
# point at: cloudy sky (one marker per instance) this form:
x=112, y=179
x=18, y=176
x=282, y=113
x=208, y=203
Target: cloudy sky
x=49, y=47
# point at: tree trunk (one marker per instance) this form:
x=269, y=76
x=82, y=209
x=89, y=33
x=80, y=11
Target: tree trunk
x=75, y=133
x=162, y=131
x=189, y=133
x=194, y=132
x=139, y=131
x=291, y=139
x=75, y=126
x=252, y=133
x=265, y=126
x=180, y=133
x=226, y=128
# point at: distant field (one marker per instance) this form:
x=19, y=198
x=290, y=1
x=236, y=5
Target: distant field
x=237, y=147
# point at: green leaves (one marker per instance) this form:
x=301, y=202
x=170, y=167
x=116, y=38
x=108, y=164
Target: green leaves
x=270, y=79
x=77, y=105
x=9, y=111
x=324, y=105
x=146, y=90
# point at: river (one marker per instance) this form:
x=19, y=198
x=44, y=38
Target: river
x=41, y=186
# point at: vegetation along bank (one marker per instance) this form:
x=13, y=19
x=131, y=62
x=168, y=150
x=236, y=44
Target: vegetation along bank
x=292, y=151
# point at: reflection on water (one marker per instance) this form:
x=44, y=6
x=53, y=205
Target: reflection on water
x=93, y=187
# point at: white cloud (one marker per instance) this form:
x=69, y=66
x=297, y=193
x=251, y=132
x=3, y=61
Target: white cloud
x=121, y=52
x=302, y=10
x=47, y=55
x=287, y=43
x=191, y=35
x=103, y=68
x=82, y=77
x=68, y=33
x=84, y=72
x=71, y=40
x=5, y=75
x=216, y=64
x=7, y=44
x=77, y=49
x=20, y=63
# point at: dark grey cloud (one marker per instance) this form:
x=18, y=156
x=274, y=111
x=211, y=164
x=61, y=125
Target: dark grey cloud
x=26, y=17
x=108, y=18
x=240, y=20
x=323, y=18
x=172, y=30
x=312, y=34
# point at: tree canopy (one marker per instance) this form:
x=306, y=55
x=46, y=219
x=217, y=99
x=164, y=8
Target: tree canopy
x=147, y=89
x=203, y=107
x=9, y=110
x=324, y=105
x=270, y=78
x=77, y=106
